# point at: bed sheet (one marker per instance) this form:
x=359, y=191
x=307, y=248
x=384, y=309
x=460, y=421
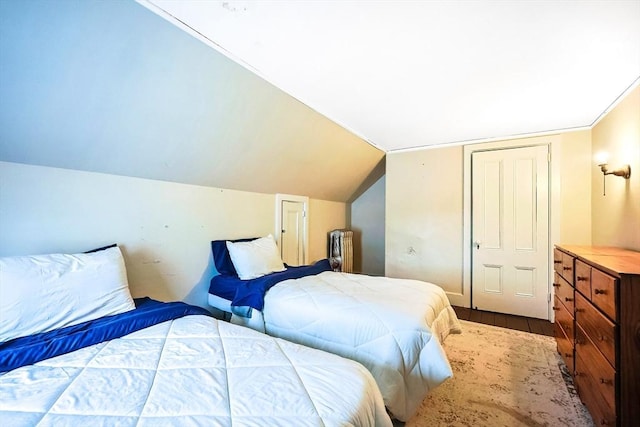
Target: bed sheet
x=394, y=327
x=193, y=370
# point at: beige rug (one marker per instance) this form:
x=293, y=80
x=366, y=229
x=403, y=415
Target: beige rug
x=502, y=377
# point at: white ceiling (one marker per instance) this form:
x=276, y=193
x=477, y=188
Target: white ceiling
x=404, y=74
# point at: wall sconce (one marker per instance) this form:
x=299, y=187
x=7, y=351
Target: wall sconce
x=602, y=158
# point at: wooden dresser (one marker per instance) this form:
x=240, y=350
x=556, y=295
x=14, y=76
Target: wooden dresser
x=597, y=328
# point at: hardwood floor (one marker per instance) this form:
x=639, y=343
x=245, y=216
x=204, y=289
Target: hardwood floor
x=526, y=324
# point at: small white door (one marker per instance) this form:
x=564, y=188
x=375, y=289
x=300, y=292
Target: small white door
x=292, y=233
x=510, y=221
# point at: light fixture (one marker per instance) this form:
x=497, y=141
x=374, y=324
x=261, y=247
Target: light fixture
x=624, y=171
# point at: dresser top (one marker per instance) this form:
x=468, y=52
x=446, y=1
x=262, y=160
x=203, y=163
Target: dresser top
x=616, y=260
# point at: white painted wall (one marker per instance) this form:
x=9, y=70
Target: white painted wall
x=164, y=228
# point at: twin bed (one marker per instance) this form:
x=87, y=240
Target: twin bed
x=84, y=351
x=72, y=357
x=394, y=327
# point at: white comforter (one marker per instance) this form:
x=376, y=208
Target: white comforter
x=192, y=371
x=394, y=327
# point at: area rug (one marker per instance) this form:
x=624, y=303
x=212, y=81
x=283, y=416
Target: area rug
x=502, y=377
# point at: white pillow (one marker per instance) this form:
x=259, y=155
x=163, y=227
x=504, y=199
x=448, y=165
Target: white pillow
x=45, y=292
x=255, y=258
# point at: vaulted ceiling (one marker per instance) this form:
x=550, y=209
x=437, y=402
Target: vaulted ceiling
x=110, y=87
x=404, y=74
x=297, y=97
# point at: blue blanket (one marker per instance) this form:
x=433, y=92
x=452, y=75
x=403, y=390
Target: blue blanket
x=248, y=294
x=34, y=348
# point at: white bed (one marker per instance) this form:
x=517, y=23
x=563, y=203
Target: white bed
x=192, y=371
x=76, y=349
x=394, y=327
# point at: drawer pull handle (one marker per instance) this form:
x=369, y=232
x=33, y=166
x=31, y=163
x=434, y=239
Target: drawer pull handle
x=582, y=279
x=605, y=381
x=556, y=285
x=568, y=355
x=557, y=261
x=568, y=299
x=566, y=268
x=556, y=308
x=579, y=310
x=602, y=338
x=579, y=342
x=600, y=292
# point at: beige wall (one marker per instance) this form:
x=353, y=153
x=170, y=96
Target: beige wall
x=425, y=207
x=164, y=228
x=574, y=188
x=424, y=216
x=616, y=216
x=324, y=216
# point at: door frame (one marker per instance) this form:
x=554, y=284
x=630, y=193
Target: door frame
x=553, y=142
x=278, y=226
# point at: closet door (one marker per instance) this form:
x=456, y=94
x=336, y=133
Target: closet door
x=510, y=221
x=292, y=233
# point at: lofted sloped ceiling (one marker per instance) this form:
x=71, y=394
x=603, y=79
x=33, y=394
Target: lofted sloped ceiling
x=404, y=74
x=111, y=87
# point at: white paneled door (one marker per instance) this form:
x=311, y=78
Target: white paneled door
x=510, y=229
x=292, y=244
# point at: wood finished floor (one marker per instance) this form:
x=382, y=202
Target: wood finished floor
x=526, y=324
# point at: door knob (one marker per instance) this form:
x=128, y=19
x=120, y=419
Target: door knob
x=477, y=244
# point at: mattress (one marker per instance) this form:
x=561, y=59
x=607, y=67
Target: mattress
x=194, y=370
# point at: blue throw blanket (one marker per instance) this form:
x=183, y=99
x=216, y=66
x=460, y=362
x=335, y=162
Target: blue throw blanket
x=34, y=348
x=247, y=294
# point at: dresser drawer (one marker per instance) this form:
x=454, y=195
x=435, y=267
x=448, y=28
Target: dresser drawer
x=583, y=278
x=557, y=261
x=589, y=361
x=567, y=267
x=588, y=390
x=603, y=292
x=564, y=319
x=565, y=347
x=564, y=292
x=597, y=327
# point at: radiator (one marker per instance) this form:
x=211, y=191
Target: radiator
x=341, y=250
